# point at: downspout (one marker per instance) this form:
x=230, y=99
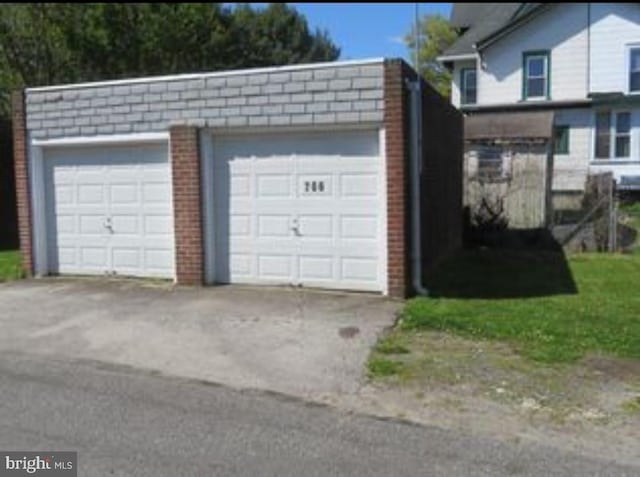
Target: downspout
x=415, y=174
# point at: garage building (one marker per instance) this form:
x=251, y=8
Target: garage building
x=297, y=175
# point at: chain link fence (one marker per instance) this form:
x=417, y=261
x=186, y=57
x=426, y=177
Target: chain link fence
x=593, y=225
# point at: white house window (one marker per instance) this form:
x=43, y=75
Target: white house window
x=634, y=70
x=535, y=75
x=623, y=134
x=468, y=88
x=613, y=135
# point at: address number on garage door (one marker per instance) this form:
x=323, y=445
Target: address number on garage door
x=315, y=186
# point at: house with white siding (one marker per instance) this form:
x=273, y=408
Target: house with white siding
x=580, y=61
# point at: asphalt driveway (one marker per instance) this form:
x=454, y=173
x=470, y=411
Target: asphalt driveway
x=294, y=341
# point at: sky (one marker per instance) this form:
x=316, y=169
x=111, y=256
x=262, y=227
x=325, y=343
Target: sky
x=368, y=30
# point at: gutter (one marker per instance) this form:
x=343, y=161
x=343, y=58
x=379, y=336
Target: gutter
x=415, y=173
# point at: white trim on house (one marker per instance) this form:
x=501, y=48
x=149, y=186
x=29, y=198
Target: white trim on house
x=383, y=241
x=466, y=56
x=189, y=76
x=208, y=206
x=38, y=186
x=627, y=69
x=101, y=140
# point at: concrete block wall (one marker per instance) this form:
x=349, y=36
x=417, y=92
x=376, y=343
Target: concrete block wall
x=347, y=93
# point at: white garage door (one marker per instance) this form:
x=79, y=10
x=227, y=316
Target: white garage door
x=109, y=211
x=301, y=209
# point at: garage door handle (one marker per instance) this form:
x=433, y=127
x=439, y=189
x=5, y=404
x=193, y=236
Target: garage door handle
x=296, y=228
x=107, y=224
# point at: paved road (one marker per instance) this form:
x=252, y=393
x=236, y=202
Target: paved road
x=125, y=422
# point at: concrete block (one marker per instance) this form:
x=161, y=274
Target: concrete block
x=364, y=105
x=272, y=109
x=282, y=77
x=140, y=88
x=137, y=108
x=294, y=87
x=317, y=86
x=372, y=94
x=216, y=103
x=302, y=119
x=235, y=111
x=141, y=127
x=171, y=96
x=340, y=84
x=340, y=106
x=216, y=122
x=328, y=96
x=367, y=83
x=195, y=104
x=115, y=100
x=250, y=90
x=294, y=108
x=102, y=92
x=279, y=120
x=372, y=70
x=348, y=72
x=347, y=95
x=106, y=129
x=210, y=112
x=236, y=80
x=87, y=130
x=216, y=82
x=238, y=121
x=371, y=116
x=237, y=101
x=261, y=78
x=301, y=98
x=72, y=131
x=317, y=107
x=122, y=90
x=158, y=87
x=258, y=120
x=324, y=74
x=190, y=94
x=227, y=92
x=176, y=86
x=345, y=117
x=279, y=98
x=98, y=102
x=302, y=75
x=122, y=127
x=272, y=88
x=257, y=100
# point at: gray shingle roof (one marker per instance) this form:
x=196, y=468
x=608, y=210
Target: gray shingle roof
x=480, y=20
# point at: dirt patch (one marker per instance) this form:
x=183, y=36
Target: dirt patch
x=614, y=368
x=588, y=407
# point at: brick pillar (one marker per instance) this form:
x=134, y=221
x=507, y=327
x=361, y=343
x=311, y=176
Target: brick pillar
x=21, y=168
x=185, y=164
x=396, y=123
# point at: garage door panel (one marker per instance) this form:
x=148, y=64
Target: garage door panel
x=274, y=226
x=316, y=268
x=300, y=208
x=316, y=226
x=275, y=267
x=358, y=185
x=109, y=210
x=359, y=269
x=124, y=193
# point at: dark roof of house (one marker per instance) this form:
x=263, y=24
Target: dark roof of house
x=509, y=126
x=479, y=21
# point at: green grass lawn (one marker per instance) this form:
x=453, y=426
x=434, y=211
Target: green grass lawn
x=548, y=308
x=10, y=266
